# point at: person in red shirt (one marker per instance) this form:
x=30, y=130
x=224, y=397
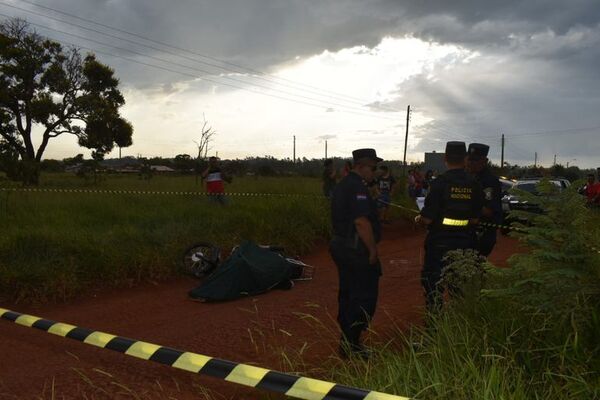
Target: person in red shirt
x=347, y=168
x=592, y=191
x=215, y=181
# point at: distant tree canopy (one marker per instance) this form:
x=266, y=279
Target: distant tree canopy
x=45, y=85
x=184, y=162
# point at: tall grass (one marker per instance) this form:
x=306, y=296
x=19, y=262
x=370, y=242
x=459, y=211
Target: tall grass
x=56, y=245
x=531, y=333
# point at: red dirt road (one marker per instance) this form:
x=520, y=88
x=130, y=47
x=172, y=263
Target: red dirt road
x=265, y=330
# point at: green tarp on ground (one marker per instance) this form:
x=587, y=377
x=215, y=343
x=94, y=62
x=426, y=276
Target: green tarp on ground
x=248, y=271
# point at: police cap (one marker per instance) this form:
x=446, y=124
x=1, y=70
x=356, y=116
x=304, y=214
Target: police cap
x=365, y=153
x=456, y=149
x=477, y=151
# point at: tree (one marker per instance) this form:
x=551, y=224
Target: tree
x=183, y=163
x=206, y=136
x=43, y=84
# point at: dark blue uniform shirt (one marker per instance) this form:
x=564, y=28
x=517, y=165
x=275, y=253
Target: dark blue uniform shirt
x=351, y=200
x=492, y=195
x=454, y=197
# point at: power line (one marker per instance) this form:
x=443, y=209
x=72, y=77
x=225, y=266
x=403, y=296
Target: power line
x=322, y=105
x=355, y=110
x=120, y=38
x=260, y=74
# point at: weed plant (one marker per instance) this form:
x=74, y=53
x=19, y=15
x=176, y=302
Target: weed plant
x=527, y=332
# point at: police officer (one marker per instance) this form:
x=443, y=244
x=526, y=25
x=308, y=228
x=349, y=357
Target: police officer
x=356, y=232
x=477, y=164
x=452, y=208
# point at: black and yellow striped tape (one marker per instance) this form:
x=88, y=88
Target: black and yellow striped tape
x=485, y=224
x=163, y=193
x=489, y=225
x=247, y=375
x=236, y=194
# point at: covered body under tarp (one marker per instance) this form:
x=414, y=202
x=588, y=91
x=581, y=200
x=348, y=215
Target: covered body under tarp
x=249, y=270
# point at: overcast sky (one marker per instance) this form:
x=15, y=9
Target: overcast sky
x=344, y=71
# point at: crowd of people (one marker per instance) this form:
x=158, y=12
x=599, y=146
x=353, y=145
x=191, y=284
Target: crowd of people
x=455, y=204
x=462, y=210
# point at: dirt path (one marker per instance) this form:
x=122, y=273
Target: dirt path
x=265, y=330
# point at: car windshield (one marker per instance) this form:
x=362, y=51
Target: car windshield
x=528, y=187
x=531, y=187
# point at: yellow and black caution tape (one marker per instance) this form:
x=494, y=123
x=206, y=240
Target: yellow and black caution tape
x=488, y=225
x=247, y=375
x=159, y=193
x=484, y=224
x=234, y=194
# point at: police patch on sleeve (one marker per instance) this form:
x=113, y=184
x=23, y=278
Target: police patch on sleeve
x=489, y=192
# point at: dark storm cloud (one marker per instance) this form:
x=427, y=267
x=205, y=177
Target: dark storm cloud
x=261, y=33
x=536, y=69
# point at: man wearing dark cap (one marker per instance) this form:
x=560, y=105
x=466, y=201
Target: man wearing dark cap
x=452, y=209
x=477, y=164
x=356, y=232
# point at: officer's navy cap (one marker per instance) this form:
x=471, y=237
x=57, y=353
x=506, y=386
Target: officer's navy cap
x=365, y=153
x=456, y=149
x=478, y=151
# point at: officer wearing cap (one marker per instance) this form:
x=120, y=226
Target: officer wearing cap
x=477, y=164
x=452, y=208
x=356, y=232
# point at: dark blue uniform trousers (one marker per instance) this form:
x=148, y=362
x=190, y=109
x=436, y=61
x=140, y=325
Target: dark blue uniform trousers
x=486, y=240
x=436, y=247
x=358, y=291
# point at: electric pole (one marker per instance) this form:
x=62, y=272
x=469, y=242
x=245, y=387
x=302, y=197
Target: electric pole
x=535, y=162
x=119, y=152
x=294, y=149
x=326, y=149
x=406, y=140
x=502, y=154
x=555, y=159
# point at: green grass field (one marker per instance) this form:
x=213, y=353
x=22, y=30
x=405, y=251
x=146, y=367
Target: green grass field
x=56, y=245
x=531, y=333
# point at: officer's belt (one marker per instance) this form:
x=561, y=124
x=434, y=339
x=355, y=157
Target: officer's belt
x=455, y=222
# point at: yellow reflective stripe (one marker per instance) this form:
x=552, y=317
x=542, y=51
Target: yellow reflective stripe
x=99, y=339
x=3, y=311
x=384, y=396
x=191, y=362
x=247, y=375
x=310, y=389
x=26, y=320
x=61, y=329
x=455, y=222
x=142, y=350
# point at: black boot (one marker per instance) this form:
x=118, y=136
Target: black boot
x=350, y=345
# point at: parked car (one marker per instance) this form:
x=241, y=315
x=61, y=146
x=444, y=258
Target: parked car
x=512, y=202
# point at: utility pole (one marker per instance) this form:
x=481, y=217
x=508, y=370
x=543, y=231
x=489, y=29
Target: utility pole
x=294, y=149
x=502, y=154
x=406, y=140
x=119, y=152
x=326, y=149
x=555, y=159
x=535, y=162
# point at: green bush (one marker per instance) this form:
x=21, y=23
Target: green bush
x=530, y=333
